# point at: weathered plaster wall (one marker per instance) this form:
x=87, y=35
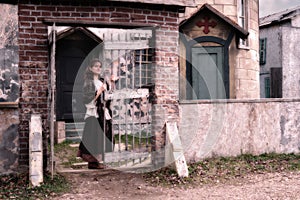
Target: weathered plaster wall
x=273, y=53
x=290, y=62
x=9, y=58
x=9, y=140
x=296, y=21
x=8, y=25
x=283, y=52
x=9, y=91
x=230, y=129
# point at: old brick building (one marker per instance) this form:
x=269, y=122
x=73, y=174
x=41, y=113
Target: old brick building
x=36, y=16
x=205, y=71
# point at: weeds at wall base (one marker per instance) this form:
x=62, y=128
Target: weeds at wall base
x=215, y=170
x=16, y=186
x=208, y=171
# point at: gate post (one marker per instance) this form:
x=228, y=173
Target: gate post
x=161, y=115
x=166, y=92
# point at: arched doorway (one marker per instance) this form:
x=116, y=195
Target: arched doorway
x=73, y=46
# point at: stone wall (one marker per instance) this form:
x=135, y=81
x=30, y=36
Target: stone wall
x=239, y=127
x=9, y=140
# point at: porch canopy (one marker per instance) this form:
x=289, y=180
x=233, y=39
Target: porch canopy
x=240, y=31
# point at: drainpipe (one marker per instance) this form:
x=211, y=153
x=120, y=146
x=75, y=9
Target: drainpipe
x=35, y=151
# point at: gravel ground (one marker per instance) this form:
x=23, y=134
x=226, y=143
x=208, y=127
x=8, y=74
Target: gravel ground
x=111, y=184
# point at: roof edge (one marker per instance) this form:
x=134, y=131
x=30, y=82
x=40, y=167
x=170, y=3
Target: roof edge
x=279, y=17
x=12, y=2
x=181, y=3
x=68, y=31
x=274, y=22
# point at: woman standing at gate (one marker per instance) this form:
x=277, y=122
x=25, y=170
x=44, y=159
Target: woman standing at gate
x=97, y=118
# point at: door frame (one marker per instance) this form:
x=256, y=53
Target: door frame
x=190, y=44
x=60, y=114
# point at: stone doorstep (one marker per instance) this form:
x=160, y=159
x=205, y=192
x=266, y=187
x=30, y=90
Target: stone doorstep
x=127, y=168
x=81, y=164
x=135, y=165
x=74, y=145
x=102, y=171
x=130, y=165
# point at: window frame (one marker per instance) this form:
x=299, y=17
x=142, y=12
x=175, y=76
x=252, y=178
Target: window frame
x=144, y=60
x=243, y=21
x=262, y=51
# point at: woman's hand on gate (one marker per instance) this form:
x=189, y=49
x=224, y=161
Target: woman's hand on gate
x=100, y=90
x=113, y=78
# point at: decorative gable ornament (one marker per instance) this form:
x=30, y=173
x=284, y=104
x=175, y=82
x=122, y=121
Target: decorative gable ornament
x=206, y=23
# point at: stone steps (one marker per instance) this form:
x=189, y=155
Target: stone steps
x=120, y=160
x=74, y=131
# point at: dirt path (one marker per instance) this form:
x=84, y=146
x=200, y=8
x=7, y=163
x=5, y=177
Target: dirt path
x=111, y=184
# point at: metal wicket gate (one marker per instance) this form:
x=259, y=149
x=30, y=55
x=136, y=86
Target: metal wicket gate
x=128, y=55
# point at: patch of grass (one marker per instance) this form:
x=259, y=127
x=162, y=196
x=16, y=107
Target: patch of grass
x=66, y=154
x=16, y=186
x=222, y=169
x=134, y=139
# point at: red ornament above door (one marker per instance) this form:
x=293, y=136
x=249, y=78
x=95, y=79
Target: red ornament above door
x=206, y=23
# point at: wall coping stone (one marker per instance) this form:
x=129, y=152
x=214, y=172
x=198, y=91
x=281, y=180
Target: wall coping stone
x=9, y=105
x=224, y=101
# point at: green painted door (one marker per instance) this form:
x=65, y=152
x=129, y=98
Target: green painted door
x=208, y=73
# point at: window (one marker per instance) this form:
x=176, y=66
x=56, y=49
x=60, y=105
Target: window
x=262, y=51
x=267, y=87
x=143, y=67
x=243, y=19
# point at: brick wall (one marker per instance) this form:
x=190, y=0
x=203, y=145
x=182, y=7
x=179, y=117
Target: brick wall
x=34, y=67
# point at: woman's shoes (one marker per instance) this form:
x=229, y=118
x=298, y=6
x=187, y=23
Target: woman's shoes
x=96, y=165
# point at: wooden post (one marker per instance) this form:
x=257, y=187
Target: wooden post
x=52, y=98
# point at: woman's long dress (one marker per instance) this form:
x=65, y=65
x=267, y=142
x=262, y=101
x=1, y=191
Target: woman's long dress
x=91, y=148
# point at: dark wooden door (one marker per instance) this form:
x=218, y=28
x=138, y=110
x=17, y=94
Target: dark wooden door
x=276, y=82
x=71, y=52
